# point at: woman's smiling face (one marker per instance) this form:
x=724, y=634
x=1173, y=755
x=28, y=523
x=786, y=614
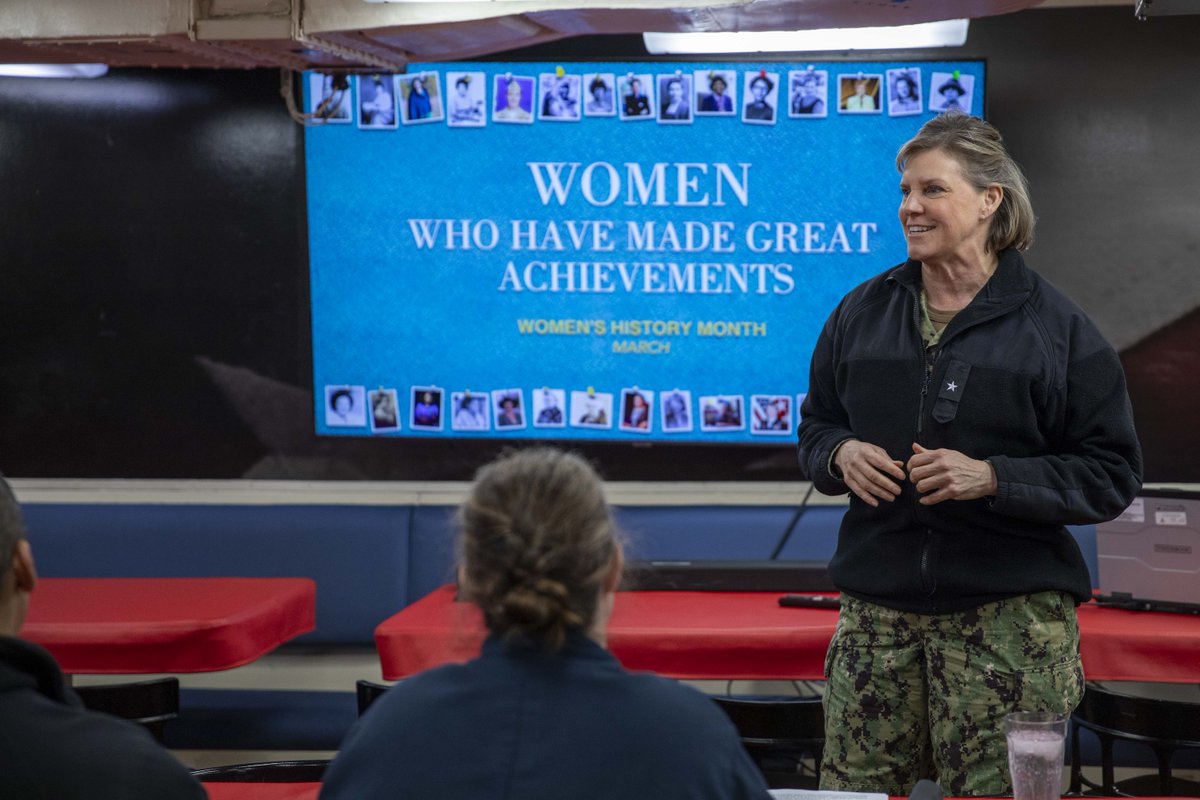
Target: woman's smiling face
x=943, y=215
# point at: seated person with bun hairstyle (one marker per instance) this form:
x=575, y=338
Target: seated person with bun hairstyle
x=545, y=711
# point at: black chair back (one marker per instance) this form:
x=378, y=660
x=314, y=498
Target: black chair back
x=1165, y=726
x=784, y=736
x=149, y=703
x=265, y=772
x=368, y=692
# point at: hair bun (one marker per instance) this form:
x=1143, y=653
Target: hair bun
x=539, y=609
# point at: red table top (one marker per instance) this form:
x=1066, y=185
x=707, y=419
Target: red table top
x=748, y=636
x=151, y=625
x=262, y=791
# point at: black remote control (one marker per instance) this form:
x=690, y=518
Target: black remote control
x=810, y=601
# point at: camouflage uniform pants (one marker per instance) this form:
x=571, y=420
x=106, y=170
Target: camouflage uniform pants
x=914, y=696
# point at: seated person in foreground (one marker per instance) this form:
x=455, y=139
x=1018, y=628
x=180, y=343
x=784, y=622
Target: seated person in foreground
x=545, y=711
x=50, y=745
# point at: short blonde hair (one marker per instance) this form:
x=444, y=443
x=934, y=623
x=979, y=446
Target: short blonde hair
x=979, y=150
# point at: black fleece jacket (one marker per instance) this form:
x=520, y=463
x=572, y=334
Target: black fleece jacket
x=52, y=748
x=1021, y=378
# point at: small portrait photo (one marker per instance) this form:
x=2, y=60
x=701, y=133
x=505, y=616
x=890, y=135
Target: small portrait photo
x=559, y=97
x=761, y=97
x=345, y=406
x=716, y=92
x=385, y=415
x=600, y=98
x=591, y=409
x=676, y=407
x=466, y=99
x=770, y=414
x=722, y=412
x=859, y=93
x=675, y=99
x=949, y=91
x=426, y=408
x=376, y=102
x=637, y=96
x=637, y=407
x=508, y=408
x=513, y=99
x=549, y=408
x=329, y=97
x=809, y=93
x=904, y=92
x=470, y=410
x=420, y=98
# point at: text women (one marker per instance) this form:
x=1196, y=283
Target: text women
x=601, y=183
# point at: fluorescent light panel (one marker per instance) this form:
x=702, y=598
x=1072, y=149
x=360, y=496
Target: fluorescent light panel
x=53, y=70
x=946, y=33
x=441, y=2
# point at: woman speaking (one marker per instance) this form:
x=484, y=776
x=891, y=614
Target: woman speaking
x=972, y=411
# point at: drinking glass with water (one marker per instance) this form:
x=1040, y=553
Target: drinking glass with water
x=1035, y=753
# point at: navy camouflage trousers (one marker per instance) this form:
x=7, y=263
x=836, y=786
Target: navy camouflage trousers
x=913, y=696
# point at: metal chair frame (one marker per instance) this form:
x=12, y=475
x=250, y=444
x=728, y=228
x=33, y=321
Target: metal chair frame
x=306, y=771
x=150, y=703
x=368, y=692
x=781, y=735
x=1165, y=726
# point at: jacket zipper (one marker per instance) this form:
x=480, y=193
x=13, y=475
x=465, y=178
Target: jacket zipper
x=927, y=364
x=927, y=582
x=928, y=367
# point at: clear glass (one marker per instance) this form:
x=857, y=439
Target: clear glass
x=1035, y=753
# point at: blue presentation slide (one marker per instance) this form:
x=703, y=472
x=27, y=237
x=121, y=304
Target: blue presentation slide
x=598, y=251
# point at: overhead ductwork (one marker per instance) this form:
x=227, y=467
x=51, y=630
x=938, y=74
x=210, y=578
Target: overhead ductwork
x=357, y=35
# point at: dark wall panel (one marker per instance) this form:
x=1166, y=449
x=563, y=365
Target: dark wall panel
x=149, y=218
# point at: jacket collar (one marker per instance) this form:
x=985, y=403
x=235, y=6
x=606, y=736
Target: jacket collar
x=25, y=665
x=577, y=645
x=1008, y=287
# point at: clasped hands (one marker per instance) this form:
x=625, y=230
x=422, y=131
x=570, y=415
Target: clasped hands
x=937, y=474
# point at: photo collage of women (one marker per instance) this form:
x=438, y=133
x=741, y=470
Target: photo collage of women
x=471, y=99
x=632, y=410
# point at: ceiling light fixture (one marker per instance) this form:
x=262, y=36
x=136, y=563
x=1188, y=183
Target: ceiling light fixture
x=440, y=2
x=53, y=70
x=946, y=33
